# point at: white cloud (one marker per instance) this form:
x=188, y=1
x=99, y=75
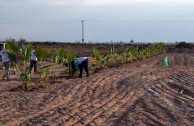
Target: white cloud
x=89, y=2
x=106, y=2
x=39, y=2
x=59, y=2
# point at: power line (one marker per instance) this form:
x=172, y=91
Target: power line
x=111, y=21
x=138, y=21
x=39, y=22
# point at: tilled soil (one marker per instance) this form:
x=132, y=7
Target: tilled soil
x=139, y=93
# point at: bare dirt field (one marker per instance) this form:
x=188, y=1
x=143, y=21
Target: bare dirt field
x=134, y=94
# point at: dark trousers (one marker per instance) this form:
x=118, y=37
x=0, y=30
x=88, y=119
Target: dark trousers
x=33, y=63
x=6, y=73
x=83, y=65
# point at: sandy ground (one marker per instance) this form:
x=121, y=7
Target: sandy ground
x=135, y=94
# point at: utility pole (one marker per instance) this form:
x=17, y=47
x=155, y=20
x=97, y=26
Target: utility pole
x=82, y=31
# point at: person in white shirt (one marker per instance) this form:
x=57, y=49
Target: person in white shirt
x=5, y=60
x=33, y=62
x=80, y=63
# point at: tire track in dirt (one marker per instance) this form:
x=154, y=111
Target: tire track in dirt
x=176, y=103
x=162, y=111
x=108, y=104
x=68, y=94
x=46, y=97
x=128, y=97
x=42, y=108
x=68, y=106
x=131, y=94
x=117, y=73
x=143, y=114
x=139, y=89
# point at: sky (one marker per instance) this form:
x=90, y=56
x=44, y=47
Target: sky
x=104, y=20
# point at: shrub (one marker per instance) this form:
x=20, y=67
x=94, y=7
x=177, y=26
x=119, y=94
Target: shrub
x=70, y=57
x=25, y=77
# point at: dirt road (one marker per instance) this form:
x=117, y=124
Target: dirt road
x=135, y=94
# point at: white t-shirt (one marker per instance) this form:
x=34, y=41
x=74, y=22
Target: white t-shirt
x=4, y=56
x=32, y=55
x=79, y=60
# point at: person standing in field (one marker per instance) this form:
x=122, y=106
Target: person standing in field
x=33, y=62
x=80, y=63
x=5, y=61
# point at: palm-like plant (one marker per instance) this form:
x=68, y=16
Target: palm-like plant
x=130, y=58
x=96, y=55
x=60, y=55
x=142, y=54
x=42, y=52
x=13, y=52
x=12, y=46
x=54, y=55
x=26, y=50
x=25, y=77
x=45, y=71
x=70, y=57
x=107, y=60
x=124, y=57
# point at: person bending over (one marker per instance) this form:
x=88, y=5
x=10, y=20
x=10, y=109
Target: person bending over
x=80, y=63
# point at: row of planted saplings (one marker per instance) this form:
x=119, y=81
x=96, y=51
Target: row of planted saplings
x=58, y=56
x=127, y=55
x=19, y=56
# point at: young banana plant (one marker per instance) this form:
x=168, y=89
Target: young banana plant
x=25, y=78
x=70, y=57
x=42, y=52
x=13, y=53
x=60, y=55
x=25, y=51
x=96, y=55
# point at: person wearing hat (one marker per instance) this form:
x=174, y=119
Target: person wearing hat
x=33, y=62
x=80, y=63
x=5, y=60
